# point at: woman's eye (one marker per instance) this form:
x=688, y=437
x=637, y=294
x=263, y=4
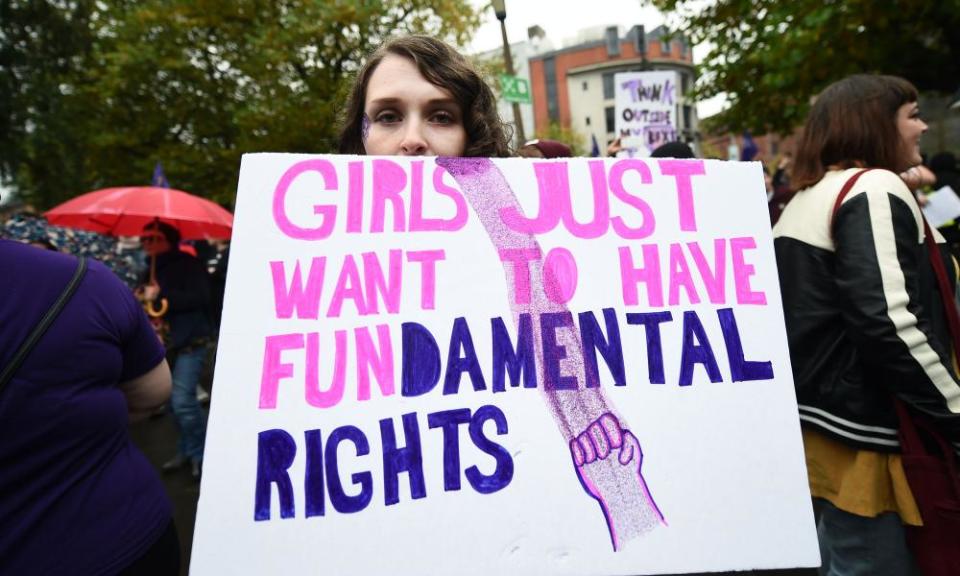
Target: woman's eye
x=443, y=118
x=387, y=117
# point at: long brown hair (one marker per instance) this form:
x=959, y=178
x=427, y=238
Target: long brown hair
x=445, y=68
x=853, y=122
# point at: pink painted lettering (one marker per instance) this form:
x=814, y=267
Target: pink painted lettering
x=305, y=300
x=389, y=180
x=379, y=287
x=355, y=198
x=560, y=275
x=428, y=275
x=327, y=211
x=649, y=274
x=368, y=357
x=743, y=271
x=520, y=258
x=648, y=224
x=419, y=223
x=683, y=171
x=348, y=286
x=551, y=177
x=331, y=396
x=714, y=280
x=680, y=277
x=274, y=369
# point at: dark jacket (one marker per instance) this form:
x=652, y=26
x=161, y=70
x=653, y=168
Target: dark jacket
x=185, y=284
x=863, y=312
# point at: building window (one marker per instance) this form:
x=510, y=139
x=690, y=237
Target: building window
x=612, y=37
x=588, y=120
x=665, y=46
x=608, y=87
x=683, y=46
x=585, y=86
x=684, y=84
x=611, y=118
x=550, y=77
x=687, y=116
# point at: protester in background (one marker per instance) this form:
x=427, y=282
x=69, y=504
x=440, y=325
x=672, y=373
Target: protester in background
x=675, y=149
x=864, y=318
x=944, y=167
x=417, y=96
x=544, y=149
x=182, y=280
x=779, y=190
x=76, y=496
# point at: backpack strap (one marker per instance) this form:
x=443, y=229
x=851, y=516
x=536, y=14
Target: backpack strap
x=7, y=374
x=843, y=194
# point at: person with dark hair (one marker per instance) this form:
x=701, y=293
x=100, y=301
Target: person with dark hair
x=181, y=280
x=541, y=148
x=944, y=168
x=76, y=495
x=417, y=96
x=674, y=149
x=865, y=320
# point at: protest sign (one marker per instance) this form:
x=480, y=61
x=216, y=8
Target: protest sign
x=942, y=207
x=646, y=111
x=475, y=366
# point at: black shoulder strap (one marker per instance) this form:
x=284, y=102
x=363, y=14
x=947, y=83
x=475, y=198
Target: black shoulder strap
x=44, y=324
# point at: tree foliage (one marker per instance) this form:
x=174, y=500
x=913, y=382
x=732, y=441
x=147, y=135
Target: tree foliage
x=770, y=57
x=96, y=92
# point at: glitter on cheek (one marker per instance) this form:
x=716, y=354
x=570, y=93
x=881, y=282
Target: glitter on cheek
x=364, y=128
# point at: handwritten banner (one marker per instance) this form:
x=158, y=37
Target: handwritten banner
x=474, y=366
x=646, y=110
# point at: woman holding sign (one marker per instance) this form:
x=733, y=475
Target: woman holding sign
x=417, y=96
x=868, y=300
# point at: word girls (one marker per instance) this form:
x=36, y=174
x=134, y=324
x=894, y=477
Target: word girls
x=339, y=202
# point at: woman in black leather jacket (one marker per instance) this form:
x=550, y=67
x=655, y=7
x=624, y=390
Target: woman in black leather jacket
x=864, y=318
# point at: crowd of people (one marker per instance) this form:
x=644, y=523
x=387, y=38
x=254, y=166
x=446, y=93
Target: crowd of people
x=867, y=316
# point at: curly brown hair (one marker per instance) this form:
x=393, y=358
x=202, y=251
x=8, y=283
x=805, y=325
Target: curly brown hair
x=445, y=68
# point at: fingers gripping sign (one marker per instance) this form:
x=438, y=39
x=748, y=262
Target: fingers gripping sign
x=605, y=452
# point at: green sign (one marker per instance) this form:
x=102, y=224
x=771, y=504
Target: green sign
x=515, y=89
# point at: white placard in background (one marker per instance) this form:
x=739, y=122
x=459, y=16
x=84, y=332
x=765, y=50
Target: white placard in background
x=473, y=367
x=646, y=110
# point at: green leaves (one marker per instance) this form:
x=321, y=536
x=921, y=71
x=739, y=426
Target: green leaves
x=94, y=93
x=770, y=57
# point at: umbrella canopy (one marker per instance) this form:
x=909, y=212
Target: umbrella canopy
x=125, y=211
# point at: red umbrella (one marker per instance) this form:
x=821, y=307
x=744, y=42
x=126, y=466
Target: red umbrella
x=125, y=211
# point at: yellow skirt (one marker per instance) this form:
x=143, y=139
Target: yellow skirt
x=858, y=481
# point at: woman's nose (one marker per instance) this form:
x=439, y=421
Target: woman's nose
x=414, y=143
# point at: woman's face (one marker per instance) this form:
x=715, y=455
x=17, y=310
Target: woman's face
x=406, y=115
x=910, y=127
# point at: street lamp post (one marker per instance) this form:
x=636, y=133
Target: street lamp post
x=500, y=8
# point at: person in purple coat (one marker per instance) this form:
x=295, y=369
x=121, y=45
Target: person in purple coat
x=76, y=496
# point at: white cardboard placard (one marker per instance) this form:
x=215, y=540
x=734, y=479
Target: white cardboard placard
x=646, y=110
x=657, y=432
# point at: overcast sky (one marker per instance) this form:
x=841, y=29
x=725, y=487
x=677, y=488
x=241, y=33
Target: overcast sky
x=562, y=19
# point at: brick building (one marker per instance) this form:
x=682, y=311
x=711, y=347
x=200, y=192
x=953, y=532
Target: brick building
x=574, y=86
